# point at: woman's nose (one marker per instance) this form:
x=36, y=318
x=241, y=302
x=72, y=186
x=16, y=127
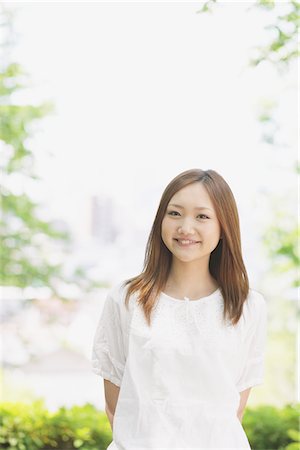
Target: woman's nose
x=186, y=228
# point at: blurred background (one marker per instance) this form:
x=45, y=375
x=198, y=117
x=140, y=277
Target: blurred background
x=102, y=104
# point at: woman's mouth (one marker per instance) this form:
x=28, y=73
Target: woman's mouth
x=186, y=242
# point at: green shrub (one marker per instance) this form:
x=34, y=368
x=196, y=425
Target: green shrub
x=295, y=435
x=267, y=427
x=30, y=426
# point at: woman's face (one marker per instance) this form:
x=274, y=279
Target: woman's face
x=193, y=219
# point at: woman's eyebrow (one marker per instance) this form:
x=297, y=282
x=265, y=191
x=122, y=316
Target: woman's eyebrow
x=182, y=207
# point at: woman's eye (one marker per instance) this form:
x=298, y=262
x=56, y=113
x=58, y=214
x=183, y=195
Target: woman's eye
x=202, y=216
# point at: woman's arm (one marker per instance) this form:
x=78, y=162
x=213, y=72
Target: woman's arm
x=243, y=400
x=111, y=392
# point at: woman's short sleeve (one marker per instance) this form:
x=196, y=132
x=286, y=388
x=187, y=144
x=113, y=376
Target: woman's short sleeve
x=252, y=355
x=108, y=355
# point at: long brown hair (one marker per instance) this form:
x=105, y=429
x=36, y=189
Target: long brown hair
x=226, y=263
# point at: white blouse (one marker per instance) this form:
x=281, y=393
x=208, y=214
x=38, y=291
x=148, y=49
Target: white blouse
x=180, y=379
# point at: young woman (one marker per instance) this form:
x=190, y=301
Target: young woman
x=180, y=345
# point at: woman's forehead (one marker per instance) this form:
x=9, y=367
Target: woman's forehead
x=194, y=195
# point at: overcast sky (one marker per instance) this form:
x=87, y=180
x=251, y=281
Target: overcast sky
x=143, y=91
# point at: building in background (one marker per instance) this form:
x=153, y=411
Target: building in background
x=102, y=216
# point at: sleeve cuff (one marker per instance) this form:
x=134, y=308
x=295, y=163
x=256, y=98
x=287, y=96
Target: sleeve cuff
x=106, y=375
x=251, y=383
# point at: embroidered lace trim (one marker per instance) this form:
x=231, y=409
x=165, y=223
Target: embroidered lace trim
x=184, y=318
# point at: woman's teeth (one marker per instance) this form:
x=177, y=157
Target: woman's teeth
x=186, y=242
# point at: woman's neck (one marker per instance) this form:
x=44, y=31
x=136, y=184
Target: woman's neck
x=187, y=280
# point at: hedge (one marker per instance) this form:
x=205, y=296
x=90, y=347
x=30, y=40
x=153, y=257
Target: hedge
x=32, y=427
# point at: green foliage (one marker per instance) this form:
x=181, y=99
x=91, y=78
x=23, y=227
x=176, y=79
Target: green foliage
x=207, y=7
x=283, y=48
x=17, y=120
x=282, y=247
x=295, y=435
x=31, y=426
x=31, y=247
x=268, y=4
x=267, y=427
x=267, y=118
x=25, y=237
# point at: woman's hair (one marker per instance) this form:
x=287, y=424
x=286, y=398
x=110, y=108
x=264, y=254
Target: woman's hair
x=226, y=263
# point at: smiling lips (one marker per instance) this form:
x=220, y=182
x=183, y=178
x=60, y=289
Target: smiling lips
x=186, y=242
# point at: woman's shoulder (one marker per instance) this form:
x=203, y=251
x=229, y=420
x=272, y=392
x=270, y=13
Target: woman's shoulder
x=255, y=296
x=255, y=306
x=117, y=292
